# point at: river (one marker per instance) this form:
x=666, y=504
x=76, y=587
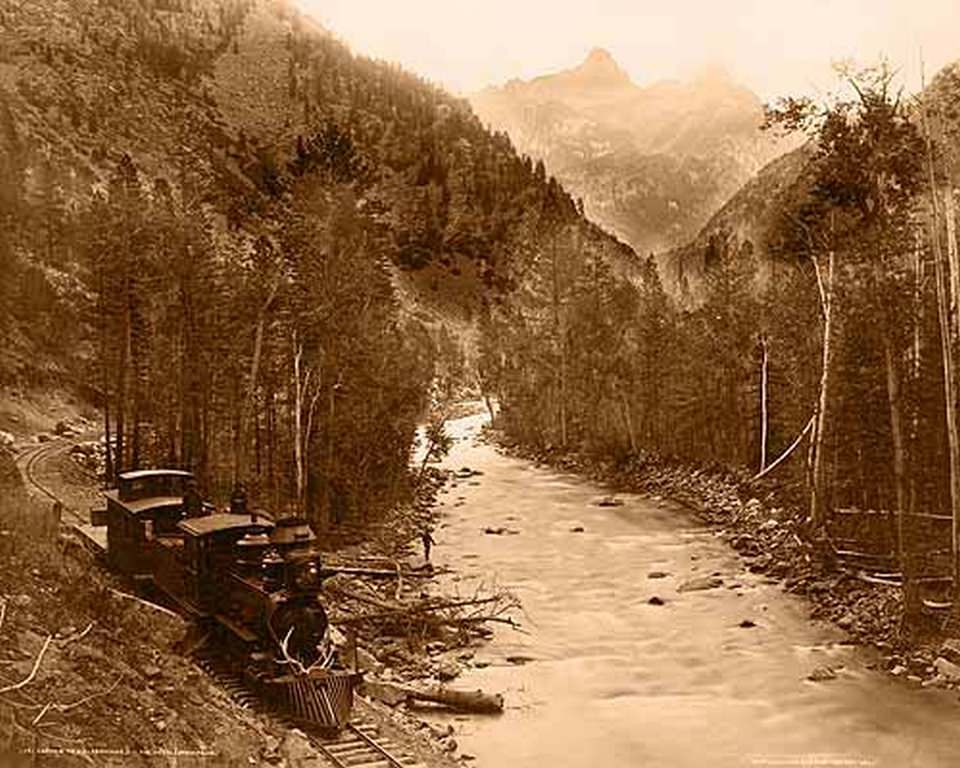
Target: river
x=613, y=680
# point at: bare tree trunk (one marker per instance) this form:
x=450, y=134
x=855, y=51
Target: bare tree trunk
x=120, y=463
x=109, y=474
x=137, y=348
x=896, y=428
x=949, y=217
x=817, y=491
x=297, y=422
x=764, y=371
x=560, y=335
x=916, y=369
x=628, y=419
x=271, y=448
x=246, y=407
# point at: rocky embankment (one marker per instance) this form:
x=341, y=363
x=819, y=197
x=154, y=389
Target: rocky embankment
x=769, y=536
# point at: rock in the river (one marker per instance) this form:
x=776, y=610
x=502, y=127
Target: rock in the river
x=448, y=670
x=746, y=544
x=947, y=669
x=747, y=624
x=657, y=575
x=655, y=600
x=700, y=583
x=610, y=501
x=577, y=529
x=822, y=674
x=389, y=694
x=950, y=650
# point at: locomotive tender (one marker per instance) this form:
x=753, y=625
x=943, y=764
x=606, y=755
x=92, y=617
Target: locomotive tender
x=252, y=583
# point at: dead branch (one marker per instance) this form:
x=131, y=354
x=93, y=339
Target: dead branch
x=73, y=705
x=33, y=672
x=147, y=603
x=3, y=611
x=786, y=454
x=77, y=635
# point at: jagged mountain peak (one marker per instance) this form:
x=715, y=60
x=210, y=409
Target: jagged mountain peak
x=600, y=68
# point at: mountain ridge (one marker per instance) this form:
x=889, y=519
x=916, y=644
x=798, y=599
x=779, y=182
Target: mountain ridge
x=651, y=162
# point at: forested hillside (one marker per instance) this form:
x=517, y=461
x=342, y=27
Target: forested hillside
x=823, y=332
x=236, y=237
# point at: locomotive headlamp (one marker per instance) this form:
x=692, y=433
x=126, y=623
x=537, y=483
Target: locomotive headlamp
x=307, y=576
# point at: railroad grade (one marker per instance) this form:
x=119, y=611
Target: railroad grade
x=31, y=459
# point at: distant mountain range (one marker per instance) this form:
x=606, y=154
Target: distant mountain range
x=651, y=163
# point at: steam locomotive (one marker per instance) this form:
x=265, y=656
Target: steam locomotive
x=250, y=583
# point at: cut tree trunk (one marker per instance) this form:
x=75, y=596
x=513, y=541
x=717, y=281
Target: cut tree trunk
x=476, y=702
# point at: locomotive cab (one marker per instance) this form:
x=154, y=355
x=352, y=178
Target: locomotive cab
x=146, y=504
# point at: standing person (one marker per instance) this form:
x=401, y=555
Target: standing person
x=238, y=500
x=338, y=502
x=192, y=501
x=428, y=541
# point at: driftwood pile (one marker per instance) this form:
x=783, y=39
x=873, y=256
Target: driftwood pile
x=407, y=639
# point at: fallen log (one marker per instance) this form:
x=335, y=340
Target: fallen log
x=476, y=702
x=462, y=701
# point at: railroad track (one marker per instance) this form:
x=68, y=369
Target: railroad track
x=358, y=745
x=30, y=461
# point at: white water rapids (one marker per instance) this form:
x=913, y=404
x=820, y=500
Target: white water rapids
x=615, y=681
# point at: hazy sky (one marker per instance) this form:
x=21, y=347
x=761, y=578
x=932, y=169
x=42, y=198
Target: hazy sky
x=773, y=46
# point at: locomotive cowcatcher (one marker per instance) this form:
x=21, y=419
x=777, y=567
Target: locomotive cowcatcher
x=252, y=584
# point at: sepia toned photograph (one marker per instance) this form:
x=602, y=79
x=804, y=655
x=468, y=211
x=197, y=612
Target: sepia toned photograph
x=434, y=384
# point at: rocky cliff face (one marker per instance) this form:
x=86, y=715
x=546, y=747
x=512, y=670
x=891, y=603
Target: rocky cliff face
x=651, y=163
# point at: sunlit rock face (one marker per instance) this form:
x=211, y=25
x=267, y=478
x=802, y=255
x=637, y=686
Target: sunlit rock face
x=652, y=163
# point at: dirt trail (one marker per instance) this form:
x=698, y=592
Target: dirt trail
x=607, y=675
